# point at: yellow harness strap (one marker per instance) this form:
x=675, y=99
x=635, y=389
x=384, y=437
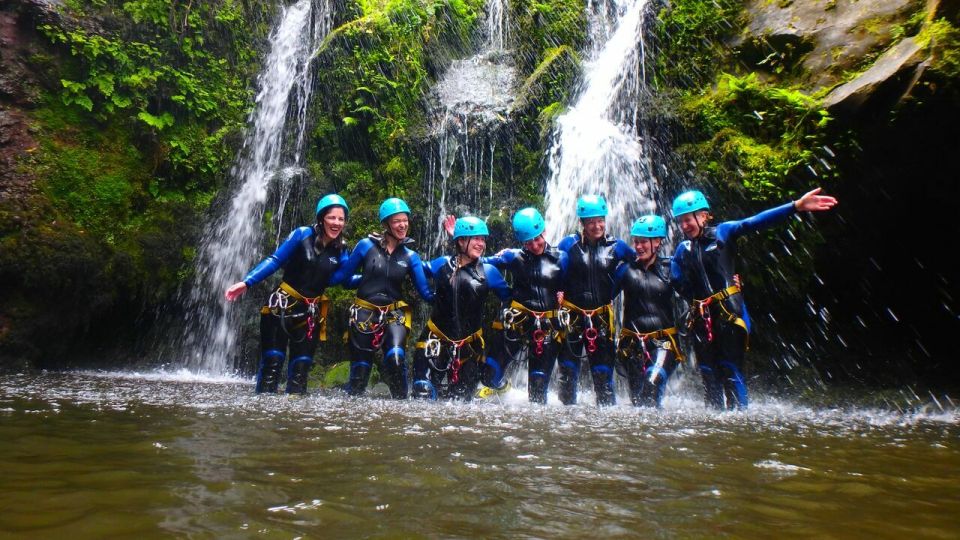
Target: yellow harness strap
x=322, y=300
x=399, y=304
x=604, y=309
x=663, y=333
x=478, y=335
x=720, y=297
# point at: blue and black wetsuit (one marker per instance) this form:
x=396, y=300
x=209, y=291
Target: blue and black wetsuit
x=529, y=324
x=587, y=314
x=703, y=272
x=295, y=315
x=648, y=339
x=379, y=319
x=451, y=347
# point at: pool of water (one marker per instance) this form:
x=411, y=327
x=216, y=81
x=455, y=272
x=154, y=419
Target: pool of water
x=93, y=455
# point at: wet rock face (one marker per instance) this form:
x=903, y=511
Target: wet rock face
x=820, y=40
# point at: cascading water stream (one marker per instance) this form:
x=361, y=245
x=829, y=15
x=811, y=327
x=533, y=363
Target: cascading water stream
x=267, y=163
x=475, y=96
x=596, y=144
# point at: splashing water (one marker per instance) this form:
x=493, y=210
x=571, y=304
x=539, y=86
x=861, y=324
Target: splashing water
x=475, y=96
x=596, y=144
x=269, y=160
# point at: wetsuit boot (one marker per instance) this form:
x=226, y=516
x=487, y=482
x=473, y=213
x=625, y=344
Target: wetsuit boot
x=268, y=376
x=297, y=374
x=603, y=385
x=734, y=387
x=537, y=387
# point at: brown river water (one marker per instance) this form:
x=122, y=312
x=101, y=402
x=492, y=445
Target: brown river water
x=123, y=455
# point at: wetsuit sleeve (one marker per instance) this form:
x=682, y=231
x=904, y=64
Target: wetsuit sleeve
x=618, y=279
x=433, y=267
x=497, y=283
x=676, y=272
x=623, y=251
x=730, y=230
x=502, y=260
x=419, y=278
x=566, y=243
x=272, y=263
x=564, y=261
x=346, y=269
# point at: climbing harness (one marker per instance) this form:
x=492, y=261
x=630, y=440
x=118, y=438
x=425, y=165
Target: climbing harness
x=283, y=301
x=514, y=318
x=701, y=309
x=662, y=339
x=432, y=347
x=590, y=332
x=379, y=317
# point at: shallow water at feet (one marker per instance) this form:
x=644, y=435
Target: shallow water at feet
x=99, y=455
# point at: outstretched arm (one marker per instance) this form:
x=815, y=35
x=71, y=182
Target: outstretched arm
x=271, y=264
x=345, y=271
x=419, y=278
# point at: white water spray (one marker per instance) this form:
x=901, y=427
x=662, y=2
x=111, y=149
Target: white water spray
x=269, y=160
x=475, y=96
x=597, y=147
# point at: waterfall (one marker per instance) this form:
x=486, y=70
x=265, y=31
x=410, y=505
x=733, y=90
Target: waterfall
x=474, y=95
x=267, y=164
x=596, y=146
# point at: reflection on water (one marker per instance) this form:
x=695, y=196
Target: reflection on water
x=119, y=455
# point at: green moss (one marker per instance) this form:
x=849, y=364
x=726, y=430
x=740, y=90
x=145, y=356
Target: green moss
x=690, y=37
x=753, y=135
x=942, y=39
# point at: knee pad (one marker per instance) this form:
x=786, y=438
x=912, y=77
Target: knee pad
x=496, y=377
x=399, y=354
x=604, y=371
x=571, y=365
x=291, y=369
x=736, y=380
x=423, y=388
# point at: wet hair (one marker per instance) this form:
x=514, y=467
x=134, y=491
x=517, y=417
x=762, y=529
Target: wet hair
x=339, y=242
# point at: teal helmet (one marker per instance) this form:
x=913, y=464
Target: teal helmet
x=332, y=200
x=528, y=224
x=393, y=206
x=649, y=227
x=689, y=201
x=469, y=226
x=591, y=206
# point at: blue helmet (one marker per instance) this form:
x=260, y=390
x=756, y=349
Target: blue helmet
x=649, y=227
x=689, y=201
x=591, y=206
x=527, y=224
x=393, y=206
x=332, y=200
x=469, y=226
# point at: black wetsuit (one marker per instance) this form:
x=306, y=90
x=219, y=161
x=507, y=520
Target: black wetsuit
x=702, y=268
x=450, y=350
x=588, y=292
x=648, y=341
x=378, y=319
x=292, y=318
x=529, y=324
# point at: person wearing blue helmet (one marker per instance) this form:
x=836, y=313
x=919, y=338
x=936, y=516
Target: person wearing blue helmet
x=451, y=347
x=648, y=346
x=528, y=326
x=703, y=271
x=379, y=318
x=586, y=313
x=295, y=316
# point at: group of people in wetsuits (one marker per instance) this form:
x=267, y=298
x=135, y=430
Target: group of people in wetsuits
x=556, y=312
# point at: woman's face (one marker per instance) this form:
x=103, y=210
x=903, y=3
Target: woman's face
x=535, y=245
x=333, y=223
x=646, y=248
x=398, y=225
x=594, y=228
x=473, y=247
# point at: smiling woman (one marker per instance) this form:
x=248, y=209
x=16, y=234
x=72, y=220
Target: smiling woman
x=295, y=316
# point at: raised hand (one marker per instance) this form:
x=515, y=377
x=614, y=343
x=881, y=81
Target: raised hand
x=235, y=291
